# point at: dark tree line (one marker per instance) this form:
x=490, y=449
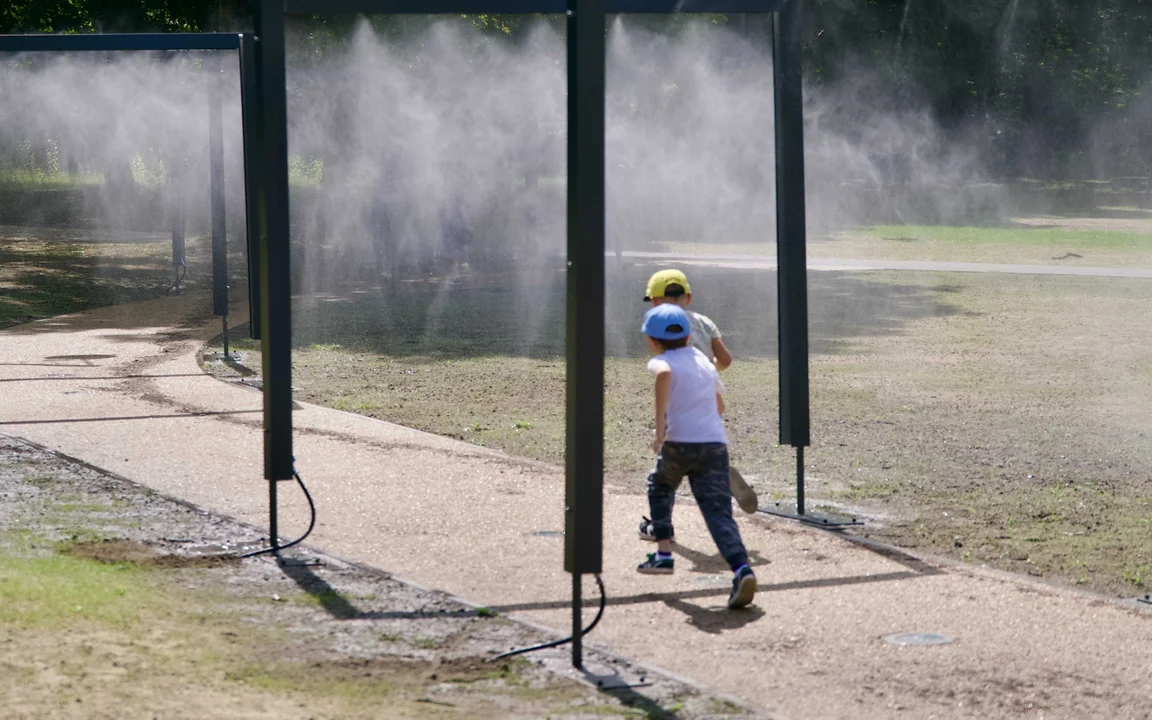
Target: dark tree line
x=1030, y=80
x=1041, y=88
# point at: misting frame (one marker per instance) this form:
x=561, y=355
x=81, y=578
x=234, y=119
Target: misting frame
x=584, y=444
x=265, y=118
x=165, y=42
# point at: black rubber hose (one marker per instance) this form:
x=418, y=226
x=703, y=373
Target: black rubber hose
x=555, y=643
x=297, y=541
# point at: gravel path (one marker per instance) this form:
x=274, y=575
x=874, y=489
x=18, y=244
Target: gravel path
x=120, y=388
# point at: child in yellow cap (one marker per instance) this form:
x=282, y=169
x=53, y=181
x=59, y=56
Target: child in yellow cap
x=671, y=286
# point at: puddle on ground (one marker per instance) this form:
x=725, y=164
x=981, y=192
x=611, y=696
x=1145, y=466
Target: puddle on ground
x=129, y=551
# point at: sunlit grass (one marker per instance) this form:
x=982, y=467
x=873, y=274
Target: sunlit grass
x=15, y=179
x=1057, y=237
x=54, y=592
x=1022, y=243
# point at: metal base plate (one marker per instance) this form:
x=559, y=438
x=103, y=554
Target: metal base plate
x=787, y=509
x=917, y=638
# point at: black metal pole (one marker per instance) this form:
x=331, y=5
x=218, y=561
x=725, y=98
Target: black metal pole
x=216, y=188
x=577, y=620
x=253, y=121
x=792, y=279
x=176, y=199
x=584, y=441
x=800, y=480
x=115, y=42
x=275, y=283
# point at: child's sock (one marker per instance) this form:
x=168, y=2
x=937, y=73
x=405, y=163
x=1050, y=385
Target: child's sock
x=663, y=555
x=737, y=570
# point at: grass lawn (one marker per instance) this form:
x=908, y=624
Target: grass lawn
x=45, y=272
x=94, y=624
x=998, y=419
x=1099, y=242
x=100, y=638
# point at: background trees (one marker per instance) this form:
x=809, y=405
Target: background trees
x=1052, y=89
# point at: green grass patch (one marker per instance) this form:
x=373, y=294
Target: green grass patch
x=292, y=678
x=24, y=179
x=967, y=235
x=1049, y=241
x=54, y=592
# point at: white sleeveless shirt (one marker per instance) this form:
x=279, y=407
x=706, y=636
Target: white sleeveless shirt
x=692, y=415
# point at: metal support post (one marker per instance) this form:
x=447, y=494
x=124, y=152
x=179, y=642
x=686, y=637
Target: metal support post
x=800, y=480
x=253, y=121
x=176, y=208
x=792, y=279
x=577, y=620
x=275, y=280
x=216, y=191
x=584, y=442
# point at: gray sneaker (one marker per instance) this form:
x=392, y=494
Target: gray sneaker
x=743, y=588
x=647, y=532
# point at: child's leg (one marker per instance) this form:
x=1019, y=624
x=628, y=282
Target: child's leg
x=662, y=484
x=709, y=480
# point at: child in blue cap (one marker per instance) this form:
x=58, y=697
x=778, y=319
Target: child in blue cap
x=690, y=440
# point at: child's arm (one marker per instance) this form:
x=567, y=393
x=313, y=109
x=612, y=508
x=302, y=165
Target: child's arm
x=720, y=354
x=663, y=388
x=720, y=403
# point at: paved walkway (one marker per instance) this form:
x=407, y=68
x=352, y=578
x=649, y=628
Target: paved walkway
x=120, y=388
x=768, y=262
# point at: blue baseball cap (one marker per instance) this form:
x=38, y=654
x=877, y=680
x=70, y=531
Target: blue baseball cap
x=666, y=322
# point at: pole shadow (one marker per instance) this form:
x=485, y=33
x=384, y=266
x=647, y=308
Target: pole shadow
x=715, y=563
x=94, y=377
x=717, y=592
x=340, y=608
x=131, y=417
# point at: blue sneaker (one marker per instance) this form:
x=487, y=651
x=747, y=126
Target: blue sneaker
x=743, y=588
x=656, y=566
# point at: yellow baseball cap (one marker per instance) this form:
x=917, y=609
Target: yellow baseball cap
x=659, y=282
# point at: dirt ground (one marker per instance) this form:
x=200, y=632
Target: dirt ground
x=116, y=602
x=995, y=419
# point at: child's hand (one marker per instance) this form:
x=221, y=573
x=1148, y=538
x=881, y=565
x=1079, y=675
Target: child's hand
x=657, y=443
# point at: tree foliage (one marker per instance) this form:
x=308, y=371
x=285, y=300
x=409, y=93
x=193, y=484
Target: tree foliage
x=1031, y=76
x=66, y=16
x=1028, y=80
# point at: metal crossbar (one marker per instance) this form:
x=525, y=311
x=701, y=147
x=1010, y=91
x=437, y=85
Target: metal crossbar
x=263, y=86
x=114, y=42
x=168, y=42
x=546, y=7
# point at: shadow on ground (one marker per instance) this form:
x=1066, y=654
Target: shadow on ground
x=514, y=315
